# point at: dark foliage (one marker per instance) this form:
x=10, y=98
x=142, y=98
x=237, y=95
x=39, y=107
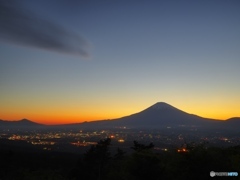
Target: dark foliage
x=94, y=163
x=140, y=147
x=99, y=163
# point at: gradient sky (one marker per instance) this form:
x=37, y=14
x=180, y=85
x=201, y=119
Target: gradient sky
x=64, y=61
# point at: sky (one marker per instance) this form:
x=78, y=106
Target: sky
x=67, y=61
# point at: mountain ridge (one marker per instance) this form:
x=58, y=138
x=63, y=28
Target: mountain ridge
x=157, y=115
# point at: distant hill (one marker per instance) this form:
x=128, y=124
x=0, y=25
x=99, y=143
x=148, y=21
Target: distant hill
x=232, y=123
x=234, y=119
x=24, y=123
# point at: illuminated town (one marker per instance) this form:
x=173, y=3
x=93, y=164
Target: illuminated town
x=72, y=140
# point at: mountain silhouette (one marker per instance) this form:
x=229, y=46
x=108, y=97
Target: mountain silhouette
x=159, y=115
x=162, y=114
x=23, y=123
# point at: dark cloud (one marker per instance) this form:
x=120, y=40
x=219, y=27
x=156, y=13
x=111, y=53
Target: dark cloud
x=17, y=25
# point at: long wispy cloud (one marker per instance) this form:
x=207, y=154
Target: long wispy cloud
x=20, y=26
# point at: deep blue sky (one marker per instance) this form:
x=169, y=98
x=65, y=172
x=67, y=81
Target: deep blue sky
x=69, y=60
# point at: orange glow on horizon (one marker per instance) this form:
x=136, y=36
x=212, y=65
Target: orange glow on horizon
x=54, y=120
x=51, y=120
x=64, y=115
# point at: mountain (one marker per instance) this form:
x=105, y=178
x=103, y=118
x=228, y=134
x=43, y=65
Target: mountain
x=24, y=123
x=161, y=115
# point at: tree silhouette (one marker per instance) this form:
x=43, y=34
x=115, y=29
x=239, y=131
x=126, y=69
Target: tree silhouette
x=95, y=160
x=119, y=155
x=143, y=163
x=140, y=147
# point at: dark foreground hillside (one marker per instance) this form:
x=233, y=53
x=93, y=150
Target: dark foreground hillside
x=188, y=162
